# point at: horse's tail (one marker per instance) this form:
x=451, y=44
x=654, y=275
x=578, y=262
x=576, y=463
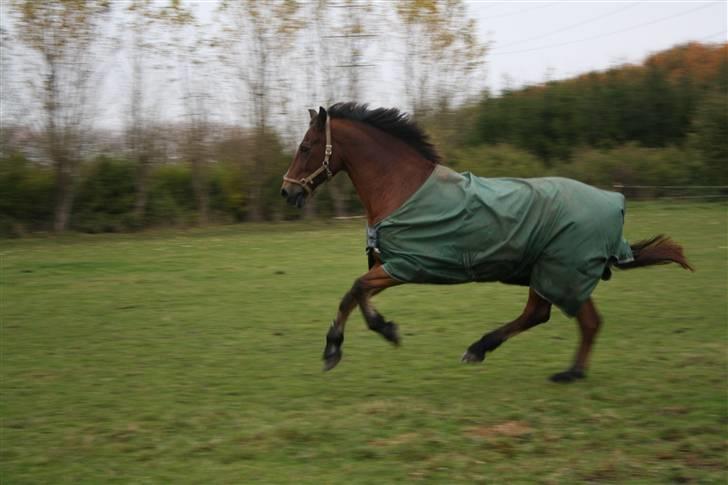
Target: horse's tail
x=657, y=250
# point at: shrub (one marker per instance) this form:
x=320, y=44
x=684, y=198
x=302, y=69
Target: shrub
x=171, y=196
x=709, y=137
x=27, y=196
x=106, y=196
x=632, y=165
x=497, y=161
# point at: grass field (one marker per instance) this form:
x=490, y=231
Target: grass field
x=194, y=357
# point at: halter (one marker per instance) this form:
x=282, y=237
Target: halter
x=312, y=181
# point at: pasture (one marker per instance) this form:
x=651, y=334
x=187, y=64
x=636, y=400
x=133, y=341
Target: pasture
x=194, y=357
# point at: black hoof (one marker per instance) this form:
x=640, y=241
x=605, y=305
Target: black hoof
x=390, y=331
x=470, y=357
x=330, y=361
x=570, y=375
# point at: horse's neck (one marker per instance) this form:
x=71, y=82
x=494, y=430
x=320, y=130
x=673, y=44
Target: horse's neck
x=384, y=170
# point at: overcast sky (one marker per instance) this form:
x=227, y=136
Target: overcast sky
x=533, y=39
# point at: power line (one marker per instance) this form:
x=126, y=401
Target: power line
x=517, y=12
x=716, y=34
x=569, y=27
x=606, y=34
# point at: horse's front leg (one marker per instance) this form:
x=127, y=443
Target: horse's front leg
x=360, y=294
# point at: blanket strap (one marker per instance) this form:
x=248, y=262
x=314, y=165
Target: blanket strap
x=372, y=246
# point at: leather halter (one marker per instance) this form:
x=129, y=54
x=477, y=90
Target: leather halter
x=314, y=180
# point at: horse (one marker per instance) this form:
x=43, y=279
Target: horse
x=429, y=224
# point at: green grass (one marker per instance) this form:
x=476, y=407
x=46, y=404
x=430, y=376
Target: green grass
x=194, y=357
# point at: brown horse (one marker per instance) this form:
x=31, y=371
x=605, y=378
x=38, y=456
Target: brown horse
x=544, y=243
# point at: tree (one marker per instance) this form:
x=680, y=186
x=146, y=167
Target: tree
x=256, y=40
x=6, y=92
x=442, y=54
x=140, y=17
x=190, y=47
x=710, y=137
x=335, y=56
x=63, y=34
x=196, y=132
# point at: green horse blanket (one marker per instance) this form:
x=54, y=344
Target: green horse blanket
x=556, y=235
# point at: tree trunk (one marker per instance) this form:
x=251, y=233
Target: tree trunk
x=142, y=195
x=199, y=183
x=255, y=192
x=64, y=195
x=254, y=211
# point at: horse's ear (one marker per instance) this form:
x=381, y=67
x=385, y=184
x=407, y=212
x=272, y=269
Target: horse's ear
x=321, y=118
x=312, y=113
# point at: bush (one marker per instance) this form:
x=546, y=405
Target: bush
x=171, y=197
x=27, y=196
x=627, y=165
x=632, y=165
x=709, y=137
x=106, y=196
x=497, y=161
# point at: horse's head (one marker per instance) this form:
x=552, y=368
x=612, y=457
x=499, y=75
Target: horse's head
x=313, y=163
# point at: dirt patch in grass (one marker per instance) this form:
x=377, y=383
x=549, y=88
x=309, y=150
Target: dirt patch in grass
x=512, y=429
x=396, y=440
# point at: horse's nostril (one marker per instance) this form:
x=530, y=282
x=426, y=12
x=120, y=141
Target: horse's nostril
x=284, y=193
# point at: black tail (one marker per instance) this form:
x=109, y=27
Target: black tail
x=658, y=250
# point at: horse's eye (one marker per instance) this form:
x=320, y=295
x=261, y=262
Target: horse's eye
x=303, y=149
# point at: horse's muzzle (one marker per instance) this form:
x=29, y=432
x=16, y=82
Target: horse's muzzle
x=294, y=195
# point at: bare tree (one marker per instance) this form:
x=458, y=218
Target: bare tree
x=190, y=48
x=341, y=36
x=7, y=93
x=196, y=148
x=63, y=34
x=140, y=19
x=442, y=53
x=257, y=38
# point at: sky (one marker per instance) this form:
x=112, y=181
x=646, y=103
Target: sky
x=537, y=40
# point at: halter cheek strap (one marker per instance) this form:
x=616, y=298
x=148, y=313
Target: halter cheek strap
x=321, y=174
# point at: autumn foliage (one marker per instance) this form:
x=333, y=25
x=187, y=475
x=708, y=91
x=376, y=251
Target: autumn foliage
x=672, y=99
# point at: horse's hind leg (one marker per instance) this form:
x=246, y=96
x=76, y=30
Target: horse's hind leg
x=364, y=287
x=538, y=310
x=589, y=323
x=376, y=322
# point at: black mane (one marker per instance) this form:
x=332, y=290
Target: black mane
x=389, y=120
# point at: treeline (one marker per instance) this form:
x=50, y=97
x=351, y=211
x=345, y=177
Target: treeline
x=106, y=192
x=661, y=122
x=249, y=65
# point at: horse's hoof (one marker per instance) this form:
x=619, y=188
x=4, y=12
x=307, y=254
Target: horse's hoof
x=331, y=361
x=565, y=377
x=390, y=331
x=472, y=358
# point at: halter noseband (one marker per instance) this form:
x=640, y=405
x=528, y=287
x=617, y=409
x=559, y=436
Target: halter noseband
x=314, y=180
